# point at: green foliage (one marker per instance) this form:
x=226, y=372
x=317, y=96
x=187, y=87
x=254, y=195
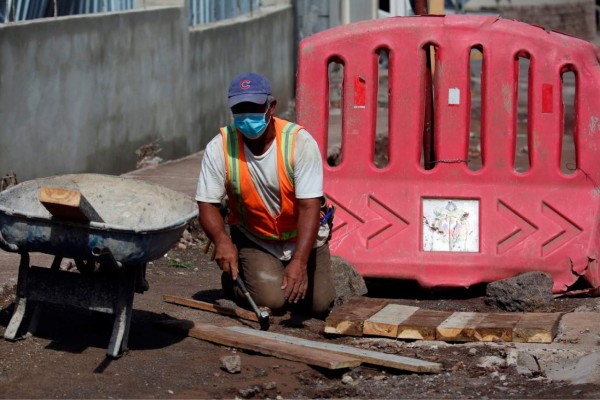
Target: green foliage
x=179, y=264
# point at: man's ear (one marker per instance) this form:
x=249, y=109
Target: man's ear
x=272, y=107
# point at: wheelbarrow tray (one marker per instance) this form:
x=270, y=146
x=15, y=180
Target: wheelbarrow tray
x=141, y=221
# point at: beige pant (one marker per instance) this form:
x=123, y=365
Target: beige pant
x=263, y=275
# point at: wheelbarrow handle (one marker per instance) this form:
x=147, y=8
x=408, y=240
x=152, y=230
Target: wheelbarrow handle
x=4, y=245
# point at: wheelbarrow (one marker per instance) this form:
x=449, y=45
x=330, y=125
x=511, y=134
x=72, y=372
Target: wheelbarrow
x=137, y=222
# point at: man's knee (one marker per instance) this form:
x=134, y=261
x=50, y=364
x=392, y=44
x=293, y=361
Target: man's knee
x=272, y=298
x=321, y=304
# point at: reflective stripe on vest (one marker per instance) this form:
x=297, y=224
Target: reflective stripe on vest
x=246, y=208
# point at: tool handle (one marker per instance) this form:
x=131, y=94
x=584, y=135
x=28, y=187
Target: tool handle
x=242, y=286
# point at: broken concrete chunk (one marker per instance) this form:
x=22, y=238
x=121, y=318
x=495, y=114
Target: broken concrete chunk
x=231, y=364
x=491, y=362
x=531, y=291
x=347, y=281
x=583, y=370
x=527, y=364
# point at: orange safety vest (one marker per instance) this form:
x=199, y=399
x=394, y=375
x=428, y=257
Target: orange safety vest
x=246, y=208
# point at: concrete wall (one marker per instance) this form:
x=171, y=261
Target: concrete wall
x=81, y=94
x=261, y=44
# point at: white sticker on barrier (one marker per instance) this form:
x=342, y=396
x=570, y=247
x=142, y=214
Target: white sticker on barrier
x=454, y=96
x=451, y=225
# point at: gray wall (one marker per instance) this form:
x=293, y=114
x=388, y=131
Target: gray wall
x=81, y=94
x=262, y=44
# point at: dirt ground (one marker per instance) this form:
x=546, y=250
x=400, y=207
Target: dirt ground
x=66, y=356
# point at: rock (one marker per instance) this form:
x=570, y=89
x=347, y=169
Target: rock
x=231, y=364
x=181, y=246
x=526, y=292
x=472, y=351
x=527, y=364
x=249, y=392
x=347, y=282
x=270, y=385
x=347, y=379
x=491, y=362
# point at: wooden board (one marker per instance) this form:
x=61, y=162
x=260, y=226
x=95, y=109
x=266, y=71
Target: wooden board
x=422, y=324
x=459, y=327
x=385, y=322
x=368, y=356
x=536, y=328
x=268, y=346
x=497, y=327
x=348, y=319
x=201, y=305
x=363, y=315
x=69, y=204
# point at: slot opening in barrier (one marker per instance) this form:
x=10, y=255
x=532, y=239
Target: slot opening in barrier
x=568, y=159
x=429, y=64
x=381, y=154
x=335, y=79
x=523, y=148
x=476, y=60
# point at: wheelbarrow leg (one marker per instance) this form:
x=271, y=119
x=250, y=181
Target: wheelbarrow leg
x=12, y=329
x=123, y=309
x=38, y=305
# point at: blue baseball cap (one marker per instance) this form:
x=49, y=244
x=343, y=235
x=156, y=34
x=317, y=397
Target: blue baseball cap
x=249, y=87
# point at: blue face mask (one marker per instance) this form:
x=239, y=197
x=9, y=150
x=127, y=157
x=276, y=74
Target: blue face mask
x=252, y=125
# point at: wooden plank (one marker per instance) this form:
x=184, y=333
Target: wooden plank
x=536, y=328
x=70, y=204
x=201, y=305
x=422, y=324
x=459, y=327
x=385, y=322
x=497, y=327
x=348, y=319
x=268, y=346
x=367, y=356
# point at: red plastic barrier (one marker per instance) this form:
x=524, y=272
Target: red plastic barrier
x=450, y=226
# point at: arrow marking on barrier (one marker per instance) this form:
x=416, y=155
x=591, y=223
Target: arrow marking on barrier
x=382, y=223
x=568, y=232
x=395, y=223
x=523, y=230
x=344, y=221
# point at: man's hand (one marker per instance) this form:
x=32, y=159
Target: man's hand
x=226, y=258
x=212, y=222
x=295, y=281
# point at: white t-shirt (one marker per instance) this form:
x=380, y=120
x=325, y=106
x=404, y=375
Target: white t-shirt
x=308, y=183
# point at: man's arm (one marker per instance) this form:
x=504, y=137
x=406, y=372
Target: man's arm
x=295, y=277
x=212, y=222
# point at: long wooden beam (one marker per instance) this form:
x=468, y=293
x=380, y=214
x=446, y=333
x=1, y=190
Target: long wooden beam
x=368, y=356
x=267, y=346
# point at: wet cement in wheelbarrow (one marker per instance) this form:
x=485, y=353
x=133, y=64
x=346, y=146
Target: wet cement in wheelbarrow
x=125, y=203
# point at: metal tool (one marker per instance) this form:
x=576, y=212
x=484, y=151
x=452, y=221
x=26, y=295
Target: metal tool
x=263, y=316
